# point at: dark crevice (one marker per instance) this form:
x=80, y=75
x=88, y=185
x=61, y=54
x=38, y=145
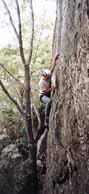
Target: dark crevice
x=79, y=5
x=88, y=72
x=87, y=3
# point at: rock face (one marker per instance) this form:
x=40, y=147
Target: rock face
x=68, y=138
x=15, y=169
x=4, y=141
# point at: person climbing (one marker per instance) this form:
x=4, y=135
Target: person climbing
x=46, y=88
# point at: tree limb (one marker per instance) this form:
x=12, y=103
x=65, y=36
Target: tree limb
x=20, y=34
x=17, y=80
x=37, y=115
x=11, y=98
x=32, y=33
x=10, y=18
x=41, y=141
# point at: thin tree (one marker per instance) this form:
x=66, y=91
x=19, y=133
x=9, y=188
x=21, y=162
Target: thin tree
x=26, y=63
x=26, y=114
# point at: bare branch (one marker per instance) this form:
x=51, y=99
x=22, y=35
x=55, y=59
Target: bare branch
x=10, y=18
x=3, y=66
x=11, y=98
x=20, y=34
x=41, y=141
x=37, y=115
x=32, y=33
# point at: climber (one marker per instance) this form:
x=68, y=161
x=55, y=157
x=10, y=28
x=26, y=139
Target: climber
x=46, y=88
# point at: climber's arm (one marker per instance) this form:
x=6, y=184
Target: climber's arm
x=54, y=63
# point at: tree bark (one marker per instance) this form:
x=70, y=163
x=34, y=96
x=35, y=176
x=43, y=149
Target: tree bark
x=28, y=119
x=68, y=138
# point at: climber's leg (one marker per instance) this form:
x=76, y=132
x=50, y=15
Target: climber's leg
x=47, y=102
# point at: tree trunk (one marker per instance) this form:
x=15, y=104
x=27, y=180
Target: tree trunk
x=27, y=112
x=68, y=138
x=31, y=141
x=28, y=103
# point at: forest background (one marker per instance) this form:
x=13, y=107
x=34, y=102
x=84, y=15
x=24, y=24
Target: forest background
x=11, y=68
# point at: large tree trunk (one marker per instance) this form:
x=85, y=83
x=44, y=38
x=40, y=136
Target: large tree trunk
x=68, y=138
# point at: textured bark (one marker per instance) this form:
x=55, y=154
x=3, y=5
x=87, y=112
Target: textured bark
x=68, y=138
x=28, y=103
